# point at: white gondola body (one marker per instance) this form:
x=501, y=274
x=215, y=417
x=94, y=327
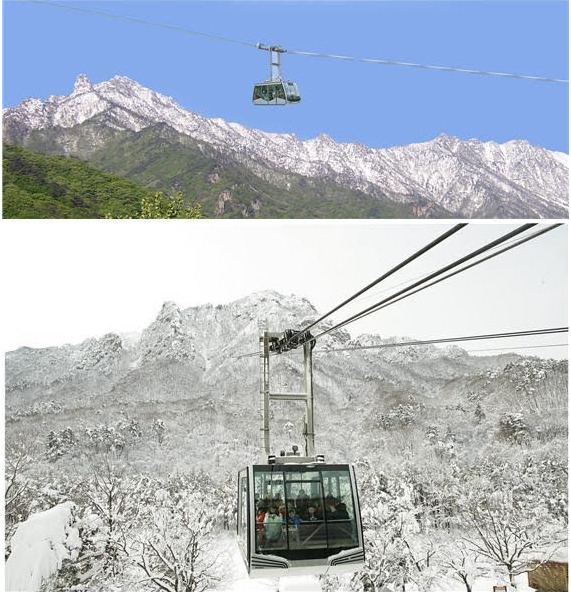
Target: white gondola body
x=318, y=542
x=276, y=92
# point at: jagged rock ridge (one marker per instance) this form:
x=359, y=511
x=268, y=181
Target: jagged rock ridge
x=187, y=367
x=206, y=337
x=465, y=178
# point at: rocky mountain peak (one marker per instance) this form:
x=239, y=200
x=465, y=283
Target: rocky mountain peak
x=168, y=336
x=124, y=83
x=279, y=306
x=169, y=313
x=446, y=141
x=82, y=85
x=323, y=139
x=100, y=354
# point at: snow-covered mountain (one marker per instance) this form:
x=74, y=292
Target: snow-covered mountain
x=187, y=370
x=196, y=354
x=465, y=178
x=207, y=338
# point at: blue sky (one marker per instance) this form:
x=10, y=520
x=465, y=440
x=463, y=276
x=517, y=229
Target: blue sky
x=525, y=288
x=44, y=48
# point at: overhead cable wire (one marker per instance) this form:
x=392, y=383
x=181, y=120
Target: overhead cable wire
x=398, y=297
x=389, y=299
x=405, y=293
x=528, y=333
x=383, y=277
x=377, y=293
x=457, y=69
x=380, y=61
x=465, y=338
x=519, y=347
x=141, y=21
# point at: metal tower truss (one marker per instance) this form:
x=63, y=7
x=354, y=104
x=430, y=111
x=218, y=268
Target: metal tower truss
x=268, y=341
x=275, y=60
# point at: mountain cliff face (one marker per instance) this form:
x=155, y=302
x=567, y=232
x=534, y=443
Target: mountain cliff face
x=186, y=369
x=447, y=175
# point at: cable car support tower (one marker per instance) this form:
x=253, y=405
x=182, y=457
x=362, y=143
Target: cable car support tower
x=278, y=343
x=275, y=60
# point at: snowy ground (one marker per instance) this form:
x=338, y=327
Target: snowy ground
x=46, y=538
x=237, y=579
x=39, y=546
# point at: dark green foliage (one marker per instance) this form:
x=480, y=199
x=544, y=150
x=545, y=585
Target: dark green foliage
x=159, y=206
x=39, y=186
x=161, y=159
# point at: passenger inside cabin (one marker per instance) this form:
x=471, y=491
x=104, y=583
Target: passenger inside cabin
x=293, y=518
x=341, y=512
x=311, y=515
x=331, y=509
x=260, y=517
x=273, y=525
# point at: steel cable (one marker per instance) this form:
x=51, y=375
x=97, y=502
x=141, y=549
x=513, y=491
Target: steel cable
x=389, y=299
x=381, y=61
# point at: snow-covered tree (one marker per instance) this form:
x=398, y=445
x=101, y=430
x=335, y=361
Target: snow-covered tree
x=60, y=443
x=106, y=439
x=507, y=532
x=513, y=428
x=109, y=493
x=479, y=413
x=399, y=416
x=130, y=429
x=389, y=522
x=460, y=561
x=227, y=506
x=159, y=430
x=174, y=553
x=17, y=485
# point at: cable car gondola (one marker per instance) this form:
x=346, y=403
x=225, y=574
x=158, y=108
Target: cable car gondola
x=299, y=518
x=275, y=90
x=297, y=514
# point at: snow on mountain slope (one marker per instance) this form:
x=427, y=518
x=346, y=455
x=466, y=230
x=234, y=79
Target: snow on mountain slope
x=206, y=337
x=188, y=367
x=466, y=177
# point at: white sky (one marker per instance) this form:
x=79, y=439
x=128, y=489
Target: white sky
x=66, y=281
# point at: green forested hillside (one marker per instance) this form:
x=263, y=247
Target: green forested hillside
x=161, y=159
x=39, y=186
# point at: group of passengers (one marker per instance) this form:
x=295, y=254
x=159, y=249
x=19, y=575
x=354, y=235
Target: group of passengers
x=272, y=516
x=269, y=92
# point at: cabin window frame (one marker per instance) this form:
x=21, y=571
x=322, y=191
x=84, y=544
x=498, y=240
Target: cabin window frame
x=282, y=476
